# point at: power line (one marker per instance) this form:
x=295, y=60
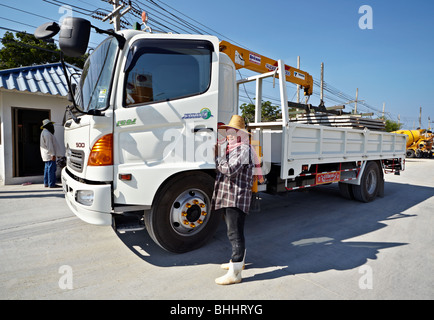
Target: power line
x=169, y=19
x=24, y=11
x=210, y=29
x=75, y=8
x=176, y=19
x=39, y=16
x=15, y=21
x=334, y=95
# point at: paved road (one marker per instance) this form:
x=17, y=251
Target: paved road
x=304, y=245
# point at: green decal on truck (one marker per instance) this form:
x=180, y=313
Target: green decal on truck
x=128, y=122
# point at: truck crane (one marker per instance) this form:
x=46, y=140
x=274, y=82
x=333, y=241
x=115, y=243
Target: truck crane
x=247, y=59
x=140, y=149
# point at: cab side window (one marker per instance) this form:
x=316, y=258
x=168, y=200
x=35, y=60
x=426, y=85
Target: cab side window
x=163, y=70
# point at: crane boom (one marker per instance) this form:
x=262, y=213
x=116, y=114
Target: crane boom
x=244, y=58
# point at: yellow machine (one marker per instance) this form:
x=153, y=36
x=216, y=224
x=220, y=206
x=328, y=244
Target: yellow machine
x=419, y=143
x=244, y=58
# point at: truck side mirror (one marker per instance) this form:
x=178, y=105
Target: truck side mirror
x=47, y=30
x=74, y=36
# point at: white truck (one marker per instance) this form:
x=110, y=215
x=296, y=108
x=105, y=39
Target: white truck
x=140, y=151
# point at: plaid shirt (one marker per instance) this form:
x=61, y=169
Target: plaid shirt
x=233, y=185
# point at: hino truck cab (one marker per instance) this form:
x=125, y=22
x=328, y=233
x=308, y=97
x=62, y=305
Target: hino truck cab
x=140, y=141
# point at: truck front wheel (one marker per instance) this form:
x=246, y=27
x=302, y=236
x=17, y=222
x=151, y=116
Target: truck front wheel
x=181, y=219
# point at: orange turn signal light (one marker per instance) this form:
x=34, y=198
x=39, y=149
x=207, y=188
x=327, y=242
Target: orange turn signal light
x=102, y=152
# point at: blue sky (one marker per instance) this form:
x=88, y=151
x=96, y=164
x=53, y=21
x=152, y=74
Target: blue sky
x=391, y=63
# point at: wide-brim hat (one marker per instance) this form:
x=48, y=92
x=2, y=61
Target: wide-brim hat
x=45, y=122
x=237, y=122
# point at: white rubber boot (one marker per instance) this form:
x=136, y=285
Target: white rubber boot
x=233, y=275
x=226, y=265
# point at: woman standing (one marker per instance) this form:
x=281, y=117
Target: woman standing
x=233, y=191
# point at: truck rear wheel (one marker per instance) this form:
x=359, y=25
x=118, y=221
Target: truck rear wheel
x=181, y=219
x=369, y=184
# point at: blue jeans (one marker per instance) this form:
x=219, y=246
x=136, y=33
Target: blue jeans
x=50, y=173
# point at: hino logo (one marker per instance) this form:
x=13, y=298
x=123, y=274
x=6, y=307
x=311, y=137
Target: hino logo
x=128, y=122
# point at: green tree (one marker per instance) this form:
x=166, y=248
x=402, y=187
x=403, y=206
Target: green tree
x=392, y=125
x=26, y=50
x=269, y=112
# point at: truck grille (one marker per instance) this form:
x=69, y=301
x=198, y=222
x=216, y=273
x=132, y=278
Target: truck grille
x=75, y=159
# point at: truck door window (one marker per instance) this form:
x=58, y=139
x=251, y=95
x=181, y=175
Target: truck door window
x=162, y=70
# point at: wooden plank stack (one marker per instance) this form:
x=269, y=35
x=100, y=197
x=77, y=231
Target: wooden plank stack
x=342, y=121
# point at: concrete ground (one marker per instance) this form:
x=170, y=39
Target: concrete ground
x=303, y=245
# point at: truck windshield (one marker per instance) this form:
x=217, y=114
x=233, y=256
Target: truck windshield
x=97, y=76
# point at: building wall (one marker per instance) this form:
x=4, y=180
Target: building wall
x=10, y=99
x=2, y=161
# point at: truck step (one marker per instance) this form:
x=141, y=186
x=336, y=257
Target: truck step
x=127, y=223
x=129, y=227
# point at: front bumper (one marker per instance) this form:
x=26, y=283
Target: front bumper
x=97, y=211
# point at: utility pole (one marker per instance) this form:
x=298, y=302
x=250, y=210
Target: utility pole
x=384, y=107
x=116, y=14
x=322, y=82
x=420, y=118
x=355, y=101
x=116, y=20
x=298, y=86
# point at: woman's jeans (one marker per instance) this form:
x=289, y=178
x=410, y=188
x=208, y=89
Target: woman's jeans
x=50, y=173
x=234, y=219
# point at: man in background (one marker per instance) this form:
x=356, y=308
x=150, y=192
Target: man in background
x=49, y=151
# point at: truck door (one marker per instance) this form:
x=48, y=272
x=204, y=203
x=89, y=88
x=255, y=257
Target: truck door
x=168, y=117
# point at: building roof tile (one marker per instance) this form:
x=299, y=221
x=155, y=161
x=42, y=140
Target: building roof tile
x=46, y=79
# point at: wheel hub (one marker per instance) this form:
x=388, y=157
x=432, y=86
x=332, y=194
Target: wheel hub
x=189, y=212
x=372, y=182
x=193, y=213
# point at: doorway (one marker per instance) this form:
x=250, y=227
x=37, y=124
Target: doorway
x=26, y=125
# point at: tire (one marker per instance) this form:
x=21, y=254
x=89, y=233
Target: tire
x=410, y=153
x=346, y=190
x=181, y=219
x=370, y=183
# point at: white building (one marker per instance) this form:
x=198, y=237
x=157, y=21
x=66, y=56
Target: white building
x=27, y=96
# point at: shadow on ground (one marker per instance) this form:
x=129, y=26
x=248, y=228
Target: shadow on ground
x=302, y=232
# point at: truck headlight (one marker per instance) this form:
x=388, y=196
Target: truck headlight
x=85, y=197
